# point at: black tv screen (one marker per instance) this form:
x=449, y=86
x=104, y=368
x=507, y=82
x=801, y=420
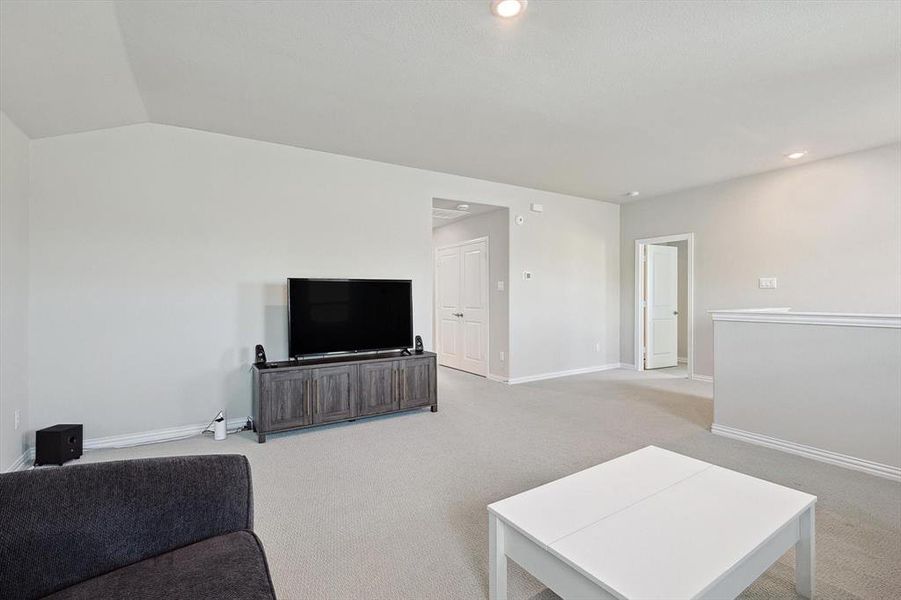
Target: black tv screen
x=349, y=315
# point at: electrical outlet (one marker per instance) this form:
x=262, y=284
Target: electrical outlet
x=16, y=420
x=503, y=355
x=767, y=283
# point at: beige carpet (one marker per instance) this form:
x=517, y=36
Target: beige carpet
x=394, y=507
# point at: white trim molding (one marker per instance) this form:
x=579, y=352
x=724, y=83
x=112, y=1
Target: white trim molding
x=556, y=374
x=497, y=378
x=699, y=377
x=784, y=315
x=826, y=456
x=128, y=440
x=155, y=436
x=23, y=462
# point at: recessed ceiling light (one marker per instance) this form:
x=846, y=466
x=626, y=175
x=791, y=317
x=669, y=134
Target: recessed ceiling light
x=462, y=207
x=507, y=9
x=796, y=155
x=632, y=194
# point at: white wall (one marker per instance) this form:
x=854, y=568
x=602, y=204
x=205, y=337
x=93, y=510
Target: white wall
x=829, y=230
x=826, y=388
x=13, y=291
x=159, y=257
x=495, y=226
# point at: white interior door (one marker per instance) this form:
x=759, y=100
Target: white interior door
x=661, y=306
x=462, y=306
x=448, y=309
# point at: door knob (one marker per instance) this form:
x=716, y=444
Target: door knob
x=458, y=314
x=675, y=312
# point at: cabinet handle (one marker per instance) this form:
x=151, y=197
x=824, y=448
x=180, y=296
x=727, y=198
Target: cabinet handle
x=309, y=401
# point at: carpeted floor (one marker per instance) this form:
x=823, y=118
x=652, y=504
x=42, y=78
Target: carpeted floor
x=394, y=507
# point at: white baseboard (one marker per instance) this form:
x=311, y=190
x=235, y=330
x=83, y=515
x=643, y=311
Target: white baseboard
x=498, y=378
x=154, y=436
x=556, y=374
x=21, y=463
x=707, y=378
x=629, y=366
x=682, y=360
x=826, y=456
x=128, y=440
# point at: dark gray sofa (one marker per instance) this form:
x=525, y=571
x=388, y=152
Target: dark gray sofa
x=178, y=527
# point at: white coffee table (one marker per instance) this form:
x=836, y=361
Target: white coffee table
x=651, y=524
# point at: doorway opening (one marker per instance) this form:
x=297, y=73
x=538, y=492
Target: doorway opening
x=664, y=304
x=471, y=309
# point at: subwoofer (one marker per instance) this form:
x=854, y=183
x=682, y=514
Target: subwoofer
x=58, y=444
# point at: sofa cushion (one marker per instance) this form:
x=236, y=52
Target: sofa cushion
x=64, y=525
x=230, y=566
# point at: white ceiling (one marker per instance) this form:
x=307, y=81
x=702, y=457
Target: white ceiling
x=450, y=206
x=586, y=98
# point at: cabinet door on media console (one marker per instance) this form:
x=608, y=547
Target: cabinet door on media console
x=417, y=380
x=334, y=393
x=285, y=400
x=377, y=390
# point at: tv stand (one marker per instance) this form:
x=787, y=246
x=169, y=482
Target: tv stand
x=295, y=394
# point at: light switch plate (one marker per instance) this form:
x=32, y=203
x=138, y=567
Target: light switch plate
x=526, y=274
x=767, y=283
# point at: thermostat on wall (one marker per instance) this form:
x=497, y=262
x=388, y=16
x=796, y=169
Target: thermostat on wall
x=537, y=207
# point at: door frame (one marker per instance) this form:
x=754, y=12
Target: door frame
x=436, y=330
x=639, y=294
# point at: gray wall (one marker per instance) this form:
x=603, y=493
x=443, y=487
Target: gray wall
x=159, y=256
x=831, y=387
x=829, y=230
x=13, y=290
x=496, y=226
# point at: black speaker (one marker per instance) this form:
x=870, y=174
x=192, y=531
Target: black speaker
x=261, y=354
x=58, y=444
x=418, y=344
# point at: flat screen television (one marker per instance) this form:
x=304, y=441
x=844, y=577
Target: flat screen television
x=349, y=315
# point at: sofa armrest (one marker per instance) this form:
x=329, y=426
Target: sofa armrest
x=64, y=525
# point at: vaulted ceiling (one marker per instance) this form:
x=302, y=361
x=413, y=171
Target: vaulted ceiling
x=587, y=98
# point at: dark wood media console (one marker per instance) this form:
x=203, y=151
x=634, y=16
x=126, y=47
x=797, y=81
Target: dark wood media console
x=304, y=393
